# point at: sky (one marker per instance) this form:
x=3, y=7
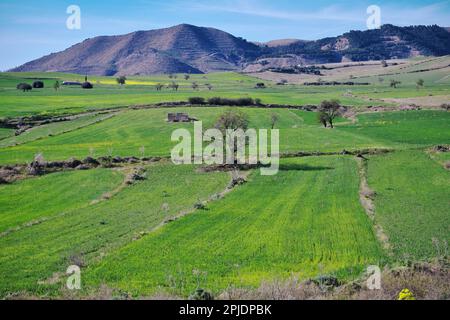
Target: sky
x=30, y=29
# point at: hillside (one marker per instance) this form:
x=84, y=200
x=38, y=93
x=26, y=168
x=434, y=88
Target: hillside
x=180, y=49
x=190, y=49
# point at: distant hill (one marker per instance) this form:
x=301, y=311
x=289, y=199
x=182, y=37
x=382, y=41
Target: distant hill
x=181, y=49
x=279, y=43
x=190, y=49
x=389, y=42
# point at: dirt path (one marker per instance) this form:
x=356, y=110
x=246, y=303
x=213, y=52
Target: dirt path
x=367, y=197
x=230, y=187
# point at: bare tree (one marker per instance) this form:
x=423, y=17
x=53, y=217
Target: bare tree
x=395, y=83
x=274, y=119
x=159, y=87
x=174, y=86
x=420, y=83
x=187, y=77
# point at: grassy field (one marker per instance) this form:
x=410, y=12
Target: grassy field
x=412, y=202
x=308, y=222
x=5, y=133
x=53, y=129
x=20, y=205
x=81, y=232
x=304, y=222
x=126, y=133
x=141, y=91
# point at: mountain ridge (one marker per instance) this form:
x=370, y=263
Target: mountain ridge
x=187, y=48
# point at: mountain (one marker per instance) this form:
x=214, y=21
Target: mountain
x=180, y=49
x=190, y=49
x=388, y=42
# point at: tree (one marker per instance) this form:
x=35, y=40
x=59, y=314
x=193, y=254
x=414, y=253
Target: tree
x=174, y=86
x=229, y=122
x=232, y=120
x=187, y=77
x=195, y=86
x=274, y=119
x=159, y=87
x=329, y=110
x=121, y=80
x=25, y=87
x=87, y=85
x=322, y=118
x=38, y=84
x=209, y=86
x=56, y=85
x=395, y=83
x=420, y=83
x=384, y=64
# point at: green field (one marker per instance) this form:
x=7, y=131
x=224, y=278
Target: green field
x=308, y=222
x=20, y=205
x=412, y=202
x=145, y=239
x=126, y=133
x=141, y=91
x=82, y=232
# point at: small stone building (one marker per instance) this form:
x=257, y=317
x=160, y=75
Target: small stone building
x=179, y=117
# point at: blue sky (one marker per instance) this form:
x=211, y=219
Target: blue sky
x=30, y=29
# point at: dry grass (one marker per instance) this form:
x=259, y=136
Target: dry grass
x=427, y=281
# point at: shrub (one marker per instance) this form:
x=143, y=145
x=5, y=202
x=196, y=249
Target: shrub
x=121, y=80
x=232, y=102
x=196, y=100
x=87, y=85
x=445, y=106
x=38, y=84
x=24, y=87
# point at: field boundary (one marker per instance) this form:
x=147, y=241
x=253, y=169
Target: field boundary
x=367, y=197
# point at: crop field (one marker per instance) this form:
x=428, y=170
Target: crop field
x=127, y=132
x=412, y=203
x=141, y=226
x=290, y=231
x=80, y=231
x=141, y=90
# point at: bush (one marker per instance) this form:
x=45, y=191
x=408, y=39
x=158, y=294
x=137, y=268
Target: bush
x=38, y=84
x=87, y=85
x=24, y=87
x=196, y=100
x=231, y=102
x=445, y=106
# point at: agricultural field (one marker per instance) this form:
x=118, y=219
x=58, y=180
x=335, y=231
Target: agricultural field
x=239, y=242
x=140, y=226
x=412, y=203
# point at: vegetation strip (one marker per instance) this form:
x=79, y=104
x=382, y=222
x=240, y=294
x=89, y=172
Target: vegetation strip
x=367, y=196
